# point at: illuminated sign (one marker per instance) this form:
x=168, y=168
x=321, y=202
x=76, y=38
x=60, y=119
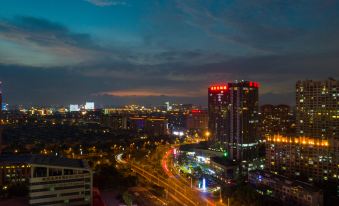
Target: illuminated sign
x=254, y=84
x=74, y=108
x=89, y=106
x=225, y=154
x=218, y=88
x=196, y=111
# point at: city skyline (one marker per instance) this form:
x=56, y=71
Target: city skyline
x=169, y=102
x=120, y=52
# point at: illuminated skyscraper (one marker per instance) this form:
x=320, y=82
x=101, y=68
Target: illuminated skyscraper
x=217, y=110
x=233, y=117
x=318, y=108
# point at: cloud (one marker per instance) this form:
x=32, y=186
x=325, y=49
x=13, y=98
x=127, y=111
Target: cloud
x=104, y=3
x=269, y=26
x=39, y=42
x=170, y=92
x=181, y=49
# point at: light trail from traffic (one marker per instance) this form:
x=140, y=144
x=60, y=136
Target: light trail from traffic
x=119, y=159
x=176, y=188
x=164, y=163
x=182, y=182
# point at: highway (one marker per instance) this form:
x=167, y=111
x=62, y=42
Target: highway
x=177, y=188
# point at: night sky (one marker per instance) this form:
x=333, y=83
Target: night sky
x=148, y=51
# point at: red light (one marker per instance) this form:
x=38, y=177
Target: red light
x=254, y=84
x=196, y=111
x=220, y=87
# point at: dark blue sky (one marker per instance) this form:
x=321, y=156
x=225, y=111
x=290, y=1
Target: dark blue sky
x=148, y=51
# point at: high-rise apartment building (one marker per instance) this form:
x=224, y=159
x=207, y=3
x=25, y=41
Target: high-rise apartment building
x=317, y=108
x=276, y=119
x=197, y=121
x=233, y=117
x=309, y=159
x=313, y=154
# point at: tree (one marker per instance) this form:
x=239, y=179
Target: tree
x=128, y=199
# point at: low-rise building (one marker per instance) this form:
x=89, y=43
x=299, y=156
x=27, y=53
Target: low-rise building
x=153, y=126
x=51, y=180
x=288, y=191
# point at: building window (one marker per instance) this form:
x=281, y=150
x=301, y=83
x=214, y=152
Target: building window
x=40, y=172
x=55, y=172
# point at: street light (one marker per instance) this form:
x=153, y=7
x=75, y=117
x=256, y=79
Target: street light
x=220, y=196
x=207, y=134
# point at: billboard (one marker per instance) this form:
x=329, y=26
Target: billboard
x=89, y=106
x=74, y=108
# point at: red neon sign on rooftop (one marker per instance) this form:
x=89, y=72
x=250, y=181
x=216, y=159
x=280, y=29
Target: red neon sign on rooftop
x=218, y=88
x=254, y=84
x=196, y=111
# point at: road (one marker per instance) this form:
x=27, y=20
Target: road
x=177, y=188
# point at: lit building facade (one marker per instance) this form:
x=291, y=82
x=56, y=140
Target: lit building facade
x=233, y=117
x=287, y=190
x=115, y=121
x=176, y=121
x=276, y=119
x=153, y=126
x=317, y=108
x=197, y=121
x=309, y=159
x=51, y=180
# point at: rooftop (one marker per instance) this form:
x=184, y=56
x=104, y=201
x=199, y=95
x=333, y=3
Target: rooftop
x=286, y=180
x=42, y=160
x=223, y=161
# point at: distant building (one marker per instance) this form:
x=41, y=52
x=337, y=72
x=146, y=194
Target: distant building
x=197, y=121
x=233, y=117
x=89, y=106
x=317, y=108
x=176, y=121
x=74, y=108
x=289, y=191
x=276, y=119
x=115, y=121
x=154, y=126
x=310, y=159
x=51, y=180
x=168, y=106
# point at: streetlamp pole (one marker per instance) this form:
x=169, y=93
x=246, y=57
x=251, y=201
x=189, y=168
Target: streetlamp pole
x=220, y=196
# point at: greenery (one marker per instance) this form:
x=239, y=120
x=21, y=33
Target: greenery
x=242, y=195
x=108, y=177
x=128, y=198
